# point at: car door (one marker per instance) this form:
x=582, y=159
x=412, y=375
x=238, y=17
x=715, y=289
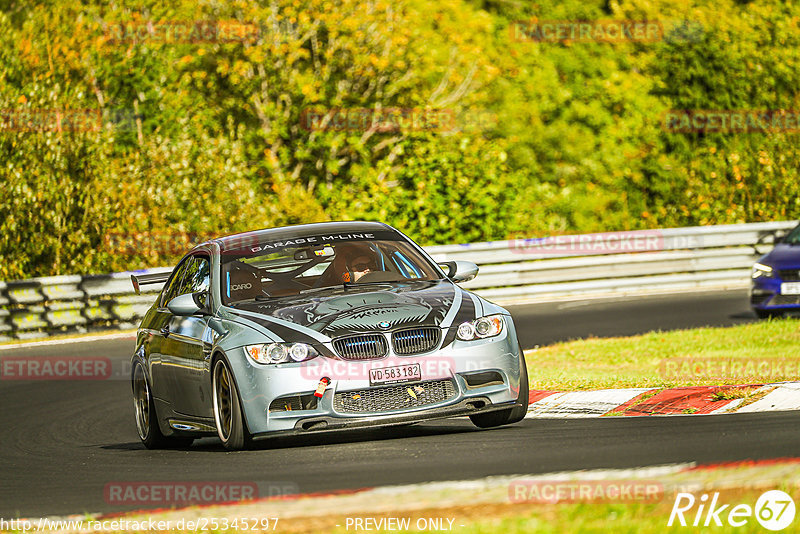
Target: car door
x=186, y=346
x=162, y=381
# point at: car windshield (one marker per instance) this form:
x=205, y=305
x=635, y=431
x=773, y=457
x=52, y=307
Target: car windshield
x=793, y=237
x=312, y=263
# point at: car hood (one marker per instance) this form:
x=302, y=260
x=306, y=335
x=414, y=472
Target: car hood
x=783, y=256
x=344, y=311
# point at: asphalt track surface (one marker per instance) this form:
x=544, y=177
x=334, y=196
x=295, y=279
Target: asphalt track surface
x=63, y=442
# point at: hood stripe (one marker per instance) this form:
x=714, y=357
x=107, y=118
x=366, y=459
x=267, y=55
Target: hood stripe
x=454, y=307
x=478, y=305
x=270, y=322
x=258, y=327
x=291, y=334
x=465, y=313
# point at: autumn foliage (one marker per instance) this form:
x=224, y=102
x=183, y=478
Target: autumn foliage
x=197, y=122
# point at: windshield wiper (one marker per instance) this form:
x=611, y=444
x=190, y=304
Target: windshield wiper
x=373, y=283
x=262, y=298
x=315, y=289
x=349, y=285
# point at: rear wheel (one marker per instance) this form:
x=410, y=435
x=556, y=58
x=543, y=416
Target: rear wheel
x=511, y=415
x=228, y=416
x=146, y=418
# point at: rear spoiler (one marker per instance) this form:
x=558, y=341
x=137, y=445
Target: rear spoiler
x=144, y=279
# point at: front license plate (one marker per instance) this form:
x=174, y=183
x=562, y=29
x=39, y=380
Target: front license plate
x=395, y=375
x=790, y=288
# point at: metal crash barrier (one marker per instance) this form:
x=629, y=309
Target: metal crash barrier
x=516, y=270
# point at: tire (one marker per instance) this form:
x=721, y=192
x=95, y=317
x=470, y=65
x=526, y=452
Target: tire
x=231, y=428
x=511, y=415
x=146, y=417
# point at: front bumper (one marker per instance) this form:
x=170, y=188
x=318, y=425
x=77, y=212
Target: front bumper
x=766, y=295
x=457, y=364
x=315, y=424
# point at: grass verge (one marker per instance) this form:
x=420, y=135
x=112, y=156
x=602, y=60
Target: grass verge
x=641, y=361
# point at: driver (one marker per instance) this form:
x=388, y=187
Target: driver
x=358, y=261
x=362, y=265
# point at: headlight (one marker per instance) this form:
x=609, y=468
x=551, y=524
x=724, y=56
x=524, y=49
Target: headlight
x=483, y=327
x=281, y=352
x=759, y=270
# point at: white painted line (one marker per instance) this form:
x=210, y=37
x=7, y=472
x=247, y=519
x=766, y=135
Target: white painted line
x=785, y=397
x=539, y=406
x=582, y=403
x=728, y=407
x=66, y=341
x=788, y=385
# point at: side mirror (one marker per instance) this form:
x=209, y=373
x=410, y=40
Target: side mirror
x=459, y=271
x=186, y=305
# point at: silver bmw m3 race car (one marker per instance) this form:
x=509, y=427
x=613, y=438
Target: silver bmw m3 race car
x=315, y=328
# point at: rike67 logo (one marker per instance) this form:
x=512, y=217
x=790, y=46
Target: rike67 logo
x=774, y=510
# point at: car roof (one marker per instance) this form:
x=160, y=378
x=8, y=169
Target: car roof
x=236, y=241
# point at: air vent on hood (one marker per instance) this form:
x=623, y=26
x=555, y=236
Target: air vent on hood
x=366, y=347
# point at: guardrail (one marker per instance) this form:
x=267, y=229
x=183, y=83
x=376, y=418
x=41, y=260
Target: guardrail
x=662, y=260
x=511, y=271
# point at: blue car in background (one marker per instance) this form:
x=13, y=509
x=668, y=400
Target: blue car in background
x=776, y=278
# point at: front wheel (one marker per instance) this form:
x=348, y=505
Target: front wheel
x=231, y=428
x=146, y=418
x=511, y=415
